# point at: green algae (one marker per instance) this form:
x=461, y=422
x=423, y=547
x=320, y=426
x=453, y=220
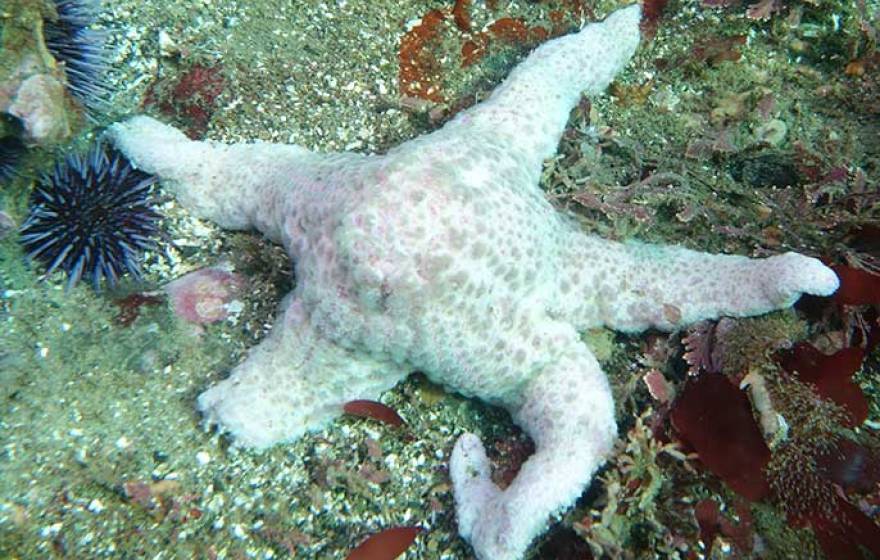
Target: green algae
x=23, y=55
x=21, y=34
x=702, y=196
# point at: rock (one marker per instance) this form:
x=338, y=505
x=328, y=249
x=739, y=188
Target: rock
x=39, y=104
x=768, y=169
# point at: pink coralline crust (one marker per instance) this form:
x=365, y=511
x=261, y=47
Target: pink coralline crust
x=39, y=105
x=202, y=296
x=35, y=96
x=658, y=386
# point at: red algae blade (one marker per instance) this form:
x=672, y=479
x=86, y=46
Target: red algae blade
x=385, y=545
x=374, y=410
x=715, y=418
x=831, y=375
x=857, y=287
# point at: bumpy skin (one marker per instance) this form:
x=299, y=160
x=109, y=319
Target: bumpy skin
x=443, y=256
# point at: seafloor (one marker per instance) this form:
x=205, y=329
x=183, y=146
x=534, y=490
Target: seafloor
x=723, y=131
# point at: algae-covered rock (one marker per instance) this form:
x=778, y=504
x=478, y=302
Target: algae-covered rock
x=31, y=81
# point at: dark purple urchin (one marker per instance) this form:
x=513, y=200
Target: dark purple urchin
x=11, y=152
x=92, y=216
x=81, y=49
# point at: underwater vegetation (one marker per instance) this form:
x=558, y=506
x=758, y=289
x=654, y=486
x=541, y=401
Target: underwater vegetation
x=423, y=68
x=389, y=543
x=375, y=410
x=52, y=69
x=191, y=98
x=765, y=9
x=760, y=436
x=761, y=443
x=709, y=119
x=789, y=440
x=91, y=217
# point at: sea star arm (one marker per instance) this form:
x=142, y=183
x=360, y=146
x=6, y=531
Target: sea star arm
x=527, y=113
x=568, y=412
x=635, y=286
x=296, y=380
x=273, y=188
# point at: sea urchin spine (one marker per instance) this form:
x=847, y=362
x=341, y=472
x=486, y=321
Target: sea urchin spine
x=92, y=216
x=71, y=41
x=11, y=152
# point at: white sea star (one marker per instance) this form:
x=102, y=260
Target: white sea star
x=443, y=256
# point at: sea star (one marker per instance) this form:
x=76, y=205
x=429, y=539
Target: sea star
x=443, y=256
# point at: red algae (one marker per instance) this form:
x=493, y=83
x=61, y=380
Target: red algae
x=509, y=30
x=715, y=418
x=130, y=306
x=461, y=15
x=651, y=12
x=831, y=375
x=374, y=410
x=385, y=545
x=713, y=522
x=474, y=49
x=852, y=466
x=843, y=532
x=857, y=286
x=192, y=98
x=419, y=72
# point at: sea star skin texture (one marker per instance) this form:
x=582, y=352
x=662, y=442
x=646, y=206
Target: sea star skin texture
x=443, y=256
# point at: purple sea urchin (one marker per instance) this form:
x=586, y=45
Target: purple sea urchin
x=11, y=151
x=71, y=41
x=91, y=217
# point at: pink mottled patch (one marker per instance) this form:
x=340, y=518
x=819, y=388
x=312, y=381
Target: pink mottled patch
x=203, y=296
x=659, y=386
